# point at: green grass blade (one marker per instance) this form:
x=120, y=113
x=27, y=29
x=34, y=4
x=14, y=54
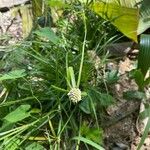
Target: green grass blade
x=72, y=77
x=146, y=130
x=87, y=141
x=9, y=103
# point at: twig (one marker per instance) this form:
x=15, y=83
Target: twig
x=12, y=21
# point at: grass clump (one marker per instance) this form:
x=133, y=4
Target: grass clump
x=50, y=98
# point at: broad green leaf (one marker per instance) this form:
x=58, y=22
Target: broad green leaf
x=144, y=54
x=13, y=75
x=102, y=99
x=35, y=146
x=85, y=105
x=19, y=114
x=96, y=99
x=105, y=99
x=144, y=22
x=48, y=34
x=126, y=3
x=87, y=141
x=134, y=95
x=112, y=76
x=143, y=25
x=124, y=18
x=138, y=77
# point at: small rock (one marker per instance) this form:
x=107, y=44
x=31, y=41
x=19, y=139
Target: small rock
x=120, y=146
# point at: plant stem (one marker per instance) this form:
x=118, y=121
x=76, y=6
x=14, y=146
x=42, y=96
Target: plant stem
x=83, y=49
x=78, y=142
x=59, y=89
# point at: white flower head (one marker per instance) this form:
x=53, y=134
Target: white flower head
x=75, y=95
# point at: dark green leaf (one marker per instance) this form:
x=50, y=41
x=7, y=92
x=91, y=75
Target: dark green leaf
x=13, y=75
x=19, y=114
x=144, y=54
x=106, y=99
x=138, y=77
x=147, y=81
x=134, y=95
x=48, y=34
x=102, y=99
x=112, y=77
x=85, y=105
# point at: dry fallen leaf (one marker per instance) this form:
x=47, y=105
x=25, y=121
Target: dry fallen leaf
x=125, y=66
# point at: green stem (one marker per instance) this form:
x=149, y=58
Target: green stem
x=58, y=88
x=78, y=142
x=83, y=49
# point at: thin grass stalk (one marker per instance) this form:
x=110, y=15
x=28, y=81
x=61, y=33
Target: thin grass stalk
x=78, y=142
x=83, y=49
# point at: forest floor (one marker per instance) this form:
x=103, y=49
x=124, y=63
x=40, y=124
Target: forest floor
x=121, y=127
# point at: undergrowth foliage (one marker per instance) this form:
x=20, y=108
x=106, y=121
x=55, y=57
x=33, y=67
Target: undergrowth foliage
x=35, y=110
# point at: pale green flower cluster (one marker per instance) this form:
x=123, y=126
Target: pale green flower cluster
x=75, y=95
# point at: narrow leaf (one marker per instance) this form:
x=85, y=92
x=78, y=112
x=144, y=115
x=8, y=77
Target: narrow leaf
x=87, y=141
x=146, y=131
x=72, y=76
x=11, y=145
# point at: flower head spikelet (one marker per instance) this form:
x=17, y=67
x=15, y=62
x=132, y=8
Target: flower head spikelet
x=75, y=95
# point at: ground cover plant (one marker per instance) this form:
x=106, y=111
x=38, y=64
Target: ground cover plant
x=56, y=83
